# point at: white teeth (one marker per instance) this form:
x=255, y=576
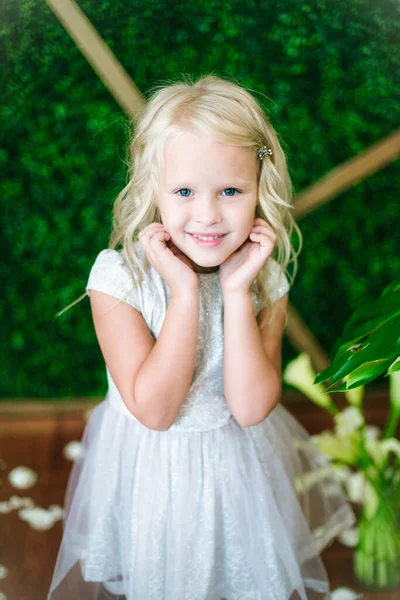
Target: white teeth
x=208, y=237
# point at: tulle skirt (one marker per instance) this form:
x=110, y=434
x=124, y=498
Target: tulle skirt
x=204, y=515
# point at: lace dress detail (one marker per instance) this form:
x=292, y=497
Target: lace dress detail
x=206, y=509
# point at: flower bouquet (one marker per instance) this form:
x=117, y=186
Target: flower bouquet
x=365, y=459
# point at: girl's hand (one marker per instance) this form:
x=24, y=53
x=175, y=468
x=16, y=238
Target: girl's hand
x=238, y=272
x=173, y=266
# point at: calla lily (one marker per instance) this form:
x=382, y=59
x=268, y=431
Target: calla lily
x=355, y=487
x=345, y=449
x=379, y=449
x=394, y=394
x=349, y=537
x=306, y=481
x=345, y=593
x=395, y=367
x=306, y=444
x=300, y=374
x=372, y=432
x=348, y=420
x=354, y=396
x=371, y=500
x=342, y=472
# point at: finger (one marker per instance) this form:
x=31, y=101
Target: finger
x=157, y=249
x=149, y=229
x=153, y=242
x=265, y=231
x=260, y=228
x=148, y=233
x=159, y=237
x=263, y=239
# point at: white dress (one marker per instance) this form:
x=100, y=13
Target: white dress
x=206, y=509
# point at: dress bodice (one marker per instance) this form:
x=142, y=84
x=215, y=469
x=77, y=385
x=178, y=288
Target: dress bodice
x=205, y=406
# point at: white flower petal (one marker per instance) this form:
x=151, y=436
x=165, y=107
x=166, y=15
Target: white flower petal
x=27, y=502
x=3, y=572
x=38, y=518
x=22, y=477
x=355, y=395
x=345, y=593
x=307, y=480
x=16, y=502
x=342, y=472
x=73, y=450
x=355, y=487
x=394, y=387
x=371, y=501
x=349, y=537
x=5, y=508
x=56, y=510
x=372, y=432
x=348, y=420
x=338, y=448
x=300, y=374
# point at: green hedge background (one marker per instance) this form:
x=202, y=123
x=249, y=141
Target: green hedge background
x=327, y=73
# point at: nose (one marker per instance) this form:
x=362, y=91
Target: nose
x=207, y=211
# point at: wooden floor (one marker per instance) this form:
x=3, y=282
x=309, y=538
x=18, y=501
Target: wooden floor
x=35, y=437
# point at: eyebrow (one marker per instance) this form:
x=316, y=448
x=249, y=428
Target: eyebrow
x=187, y=184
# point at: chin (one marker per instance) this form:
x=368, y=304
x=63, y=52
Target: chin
x=204, y=261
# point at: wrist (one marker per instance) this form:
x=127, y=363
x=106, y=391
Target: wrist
x=186, y=293
x=236, y=296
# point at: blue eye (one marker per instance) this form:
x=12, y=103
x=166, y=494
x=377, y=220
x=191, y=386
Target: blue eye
x=229, y=195
x=181, y=190
x=234, y=189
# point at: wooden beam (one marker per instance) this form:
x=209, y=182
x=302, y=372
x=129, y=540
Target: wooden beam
x=98, y=55
x=347, y=174
x=303, y=339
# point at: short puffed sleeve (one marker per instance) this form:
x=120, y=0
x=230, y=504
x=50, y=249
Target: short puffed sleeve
x=277, y=285
x=110, y=274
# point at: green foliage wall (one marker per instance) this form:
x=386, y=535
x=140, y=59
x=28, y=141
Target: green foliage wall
x=326, y=71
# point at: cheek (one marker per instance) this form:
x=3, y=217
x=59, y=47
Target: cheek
x=167, y=217
x=174, y=224
x=246, y=219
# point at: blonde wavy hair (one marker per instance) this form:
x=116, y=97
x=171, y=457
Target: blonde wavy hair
x=229, y=114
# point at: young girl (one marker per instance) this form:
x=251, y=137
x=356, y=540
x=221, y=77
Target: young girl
x=186, y=487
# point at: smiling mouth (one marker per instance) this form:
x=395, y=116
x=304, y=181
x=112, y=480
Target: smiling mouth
x=207, y=237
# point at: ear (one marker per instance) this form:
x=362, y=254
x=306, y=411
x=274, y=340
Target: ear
x=271, y=335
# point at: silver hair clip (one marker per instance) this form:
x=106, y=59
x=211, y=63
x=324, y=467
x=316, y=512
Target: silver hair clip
x=263, y=152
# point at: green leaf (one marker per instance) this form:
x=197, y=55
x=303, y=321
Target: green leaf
x=382, y=344
x=394, y=367
x=367, y=372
